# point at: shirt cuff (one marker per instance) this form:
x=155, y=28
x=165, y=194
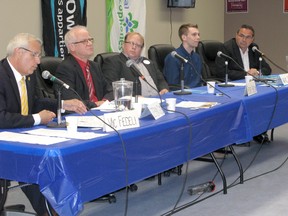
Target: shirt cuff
x=37, y=119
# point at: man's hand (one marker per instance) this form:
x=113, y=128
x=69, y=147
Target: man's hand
x=253, y=72
x=74, y=105
x=163, y=91
x=46, y=116
x=99, y=103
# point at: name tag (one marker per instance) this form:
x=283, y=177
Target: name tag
x=121, y=120
x=250, y=88
x=283, y=79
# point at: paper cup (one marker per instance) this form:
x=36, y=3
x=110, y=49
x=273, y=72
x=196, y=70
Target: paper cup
x=211, y=87
x=171, y=103
x=71, y=124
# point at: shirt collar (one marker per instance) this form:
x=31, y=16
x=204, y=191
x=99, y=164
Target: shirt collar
x=17, y=75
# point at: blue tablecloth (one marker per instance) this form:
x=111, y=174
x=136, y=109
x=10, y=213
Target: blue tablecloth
x=74, y=172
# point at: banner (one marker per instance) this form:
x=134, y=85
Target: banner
x=124, y=16
x=58, y=17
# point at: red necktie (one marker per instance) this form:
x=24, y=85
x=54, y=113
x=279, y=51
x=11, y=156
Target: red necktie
x=89, y=81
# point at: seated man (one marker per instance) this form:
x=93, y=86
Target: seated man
x=240, y=49
x=190, y=37
x=115, y=68
x=19, y=107
x=80, y=73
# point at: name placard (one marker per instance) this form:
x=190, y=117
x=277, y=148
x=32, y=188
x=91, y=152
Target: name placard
x=121, y=120
x=156, y=110
x=283, y=79
x=250, y=88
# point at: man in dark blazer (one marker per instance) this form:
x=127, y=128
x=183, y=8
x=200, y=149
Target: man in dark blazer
x=115, y=68
x=73, y=70
x=240, y=49
x=23, y=56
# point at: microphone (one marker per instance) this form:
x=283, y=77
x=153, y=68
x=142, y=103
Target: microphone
x=255, y=49
x=47, y=75
x=176, y=55
x=131, y=64
x=221, y=54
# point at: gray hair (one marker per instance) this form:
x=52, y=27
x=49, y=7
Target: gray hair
x=71, y=35
x=21, y=40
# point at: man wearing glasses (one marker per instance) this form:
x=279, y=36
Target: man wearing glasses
x=80, y=73
x=240, y=49
x=115, y=68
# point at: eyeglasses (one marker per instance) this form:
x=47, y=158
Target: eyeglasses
x=139, y=46
x=85, y=42
x=34, y=54
x=248, y=37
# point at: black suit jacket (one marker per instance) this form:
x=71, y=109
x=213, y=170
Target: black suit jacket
x=231, y=49
x=114, y=68
x=70, y=72
x=10, y=102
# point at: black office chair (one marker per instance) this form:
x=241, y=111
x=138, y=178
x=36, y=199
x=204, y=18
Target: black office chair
x=158, y=52
x=100, y=58
x=45, y=86
x=207, y=50
x=15, y=210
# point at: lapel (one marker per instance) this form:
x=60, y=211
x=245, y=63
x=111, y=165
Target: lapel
x=13, y=82
x=30, y=95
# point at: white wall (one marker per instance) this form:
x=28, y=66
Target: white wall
x=25, y=16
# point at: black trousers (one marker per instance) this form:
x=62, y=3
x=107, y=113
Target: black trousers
x=36, y=198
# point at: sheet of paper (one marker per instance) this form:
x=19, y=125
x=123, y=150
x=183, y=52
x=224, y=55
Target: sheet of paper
x=196, y=104
x=90, y=121
x=31, y=139
x=63, y=133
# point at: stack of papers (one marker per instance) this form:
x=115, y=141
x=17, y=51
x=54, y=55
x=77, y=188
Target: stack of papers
x=196, y=104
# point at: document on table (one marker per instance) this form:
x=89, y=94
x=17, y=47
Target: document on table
x=31, y=139
x=64, y=134
x=196, y=104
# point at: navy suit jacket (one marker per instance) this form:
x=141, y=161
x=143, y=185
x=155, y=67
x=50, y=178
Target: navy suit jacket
x=10, y=102
x=114, y=68
x=70, y=72
x=231, y=49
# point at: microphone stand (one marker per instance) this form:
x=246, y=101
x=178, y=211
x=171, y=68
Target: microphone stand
x=182, y=92
x=226, y=77
x=260, y=67
x=136, y=89
x=59, y=123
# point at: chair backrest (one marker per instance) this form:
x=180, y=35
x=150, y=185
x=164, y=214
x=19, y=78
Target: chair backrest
x=45, y=87
x=158, y=52
x=100, y=58
x=207, y=50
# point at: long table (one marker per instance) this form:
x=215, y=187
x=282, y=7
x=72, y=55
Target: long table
x=76, y=171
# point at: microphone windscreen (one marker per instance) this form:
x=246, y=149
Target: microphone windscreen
x=45, y=74
x=254, y=48
x=129, y=62
x=219, y=53
x=173, y=53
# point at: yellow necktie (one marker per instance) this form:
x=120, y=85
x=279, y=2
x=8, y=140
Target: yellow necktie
x=24, y=101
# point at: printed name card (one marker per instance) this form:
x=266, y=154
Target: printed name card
x=156, y=110
x=250, y=88
x=121, y=120
x=283, y=79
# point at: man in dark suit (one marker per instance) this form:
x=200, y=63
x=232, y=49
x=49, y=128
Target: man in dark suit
x=115, y=68
x=240, y=49
x=19, y=107
x=80, y=73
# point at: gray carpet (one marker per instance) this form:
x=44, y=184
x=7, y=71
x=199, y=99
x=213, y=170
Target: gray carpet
x=265, y=195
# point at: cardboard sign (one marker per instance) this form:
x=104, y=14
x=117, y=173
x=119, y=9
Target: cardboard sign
x=121, y=120
x=283, y=79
